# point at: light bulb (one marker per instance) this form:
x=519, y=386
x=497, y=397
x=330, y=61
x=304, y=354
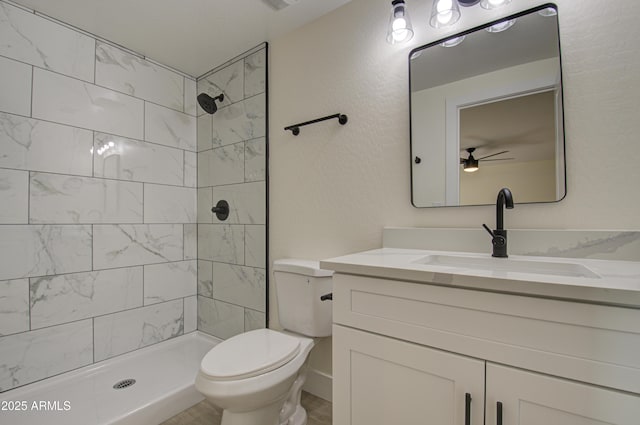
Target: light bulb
x=493, y=4
x=400, y=29
x=444, y=13
x=111, y=144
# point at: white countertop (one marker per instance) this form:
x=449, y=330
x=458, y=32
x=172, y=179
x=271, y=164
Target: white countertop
x=618, y=282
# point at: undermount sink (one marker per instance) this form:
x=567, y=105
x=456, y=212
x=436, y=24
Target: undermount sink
x=471, y=262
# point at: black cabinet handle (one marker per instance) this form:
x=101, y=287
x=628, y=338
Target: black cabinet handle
x=499, y=413
x=467, y=409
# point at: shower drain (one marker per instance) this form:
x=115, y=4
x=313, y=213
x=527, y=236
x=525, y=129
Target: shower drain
x=124, y=384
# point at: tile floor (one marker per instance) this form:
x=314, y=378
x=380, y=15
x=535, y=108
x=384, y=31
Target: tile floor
x=204, y=413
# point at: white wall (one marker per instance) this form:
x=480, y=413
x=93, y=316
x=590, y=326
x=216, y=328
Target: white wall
x=530, y=181
x=333, y=188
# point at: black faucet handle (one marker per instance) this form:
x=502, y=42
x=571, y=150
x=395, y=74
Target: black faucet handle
x=498, y=240
x=488, y=230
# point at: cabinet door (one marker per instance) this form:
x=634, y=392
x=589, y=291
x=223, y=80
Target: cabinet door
x=382, y=381
x=533, y=399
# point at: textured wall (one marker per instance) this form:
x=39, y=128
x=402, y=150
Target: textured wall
x=232, y=166
x=334, y=188
x=97, y=246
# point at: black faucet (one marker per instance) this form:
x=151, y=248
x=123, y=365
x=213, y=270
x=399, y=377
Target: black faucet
x=499, y=235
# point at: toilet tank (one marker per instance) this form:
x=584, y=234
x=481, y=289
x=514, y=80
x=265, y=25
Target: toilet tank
x=299, y=286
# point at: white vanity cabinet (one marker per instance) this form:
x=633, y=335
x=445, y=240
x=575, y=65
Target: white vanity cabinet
x=381, y=381
x=409, y=353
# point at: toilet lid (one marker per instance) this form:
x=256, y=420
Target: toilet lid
x=249, y=354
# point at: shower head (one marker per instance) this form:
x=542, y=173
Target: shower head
x=208, y=103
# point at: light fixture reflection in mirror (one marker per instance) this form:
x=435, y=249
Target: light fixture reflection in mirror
x=498, y=96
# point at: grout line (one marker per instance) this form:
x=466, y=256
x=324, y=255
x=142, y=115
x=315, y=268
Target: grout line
x=93, y=83
x=19, y=6
x=233, y=60
x=31, y=105
x=96, y=37
x=134, y=139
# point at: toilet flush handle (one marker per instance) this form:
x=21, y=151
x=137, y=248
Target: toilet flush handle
x=328, y=296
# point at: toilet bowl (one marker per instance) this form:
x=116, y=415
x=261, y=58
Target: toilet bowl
x=257, y=377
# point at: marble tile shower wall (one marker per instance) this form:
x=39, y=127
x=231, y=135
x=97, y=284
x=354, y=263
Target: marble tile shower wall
x=232, y=166
x=98, y=154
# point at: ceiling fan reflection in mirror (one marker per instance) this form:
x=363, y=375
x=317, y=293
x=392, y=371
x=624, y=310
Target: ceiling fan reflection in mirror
x=472, y=164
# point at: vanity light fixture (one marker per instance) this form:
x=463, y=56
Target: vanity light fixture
x=400, y=29
x=493, y=4
x=444, y=13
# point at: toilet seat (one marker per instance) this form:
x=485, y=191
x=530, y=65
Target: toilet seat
x=249, y=354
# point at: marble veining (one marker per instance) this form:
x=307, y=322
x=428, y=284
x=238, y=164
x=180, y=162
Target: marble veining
x=75, y=296
x=224, y=165
x=69, y=199
x=205, y=202
x=190, y=94
x=39, y=354
x=609, y=245
x=190, y=169
x=190, y=241
x=15, y=86
x=29, y=144
x=205, y=278
x=221, y=242
x=204, y=133
x=232, y=165
x=14, y=202
x=255, y=160
x=38, y=250
x=248, y=201
x=190, y=314
x=240, y=121
x=255, y=66
x=129, y=330
x=134, y=160
x=168, y=281
x=253, y=320
x=593, y=244
x=228, y=81
x=220, y=319
x=69, y=101
x=170, y=128
x=130, y=74
x=137, y=244
x=240, y=285
x=88, y=207
x=255, y=246
x=14, y=306
x=40, y=42
x=169, y=204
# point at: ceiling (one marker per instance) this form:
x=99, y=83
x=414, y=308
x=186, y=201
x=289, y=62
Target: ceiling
x=192, y=36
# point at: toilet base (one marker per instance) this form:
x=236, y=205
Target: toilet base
x=267, y=415
x=299, y=417
x=292, y=412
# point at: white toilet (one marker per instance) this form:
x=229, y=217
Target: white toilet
x=257, y=376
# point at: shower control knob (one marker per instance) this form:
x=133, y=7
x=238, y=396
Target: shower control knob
x=221, y=210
